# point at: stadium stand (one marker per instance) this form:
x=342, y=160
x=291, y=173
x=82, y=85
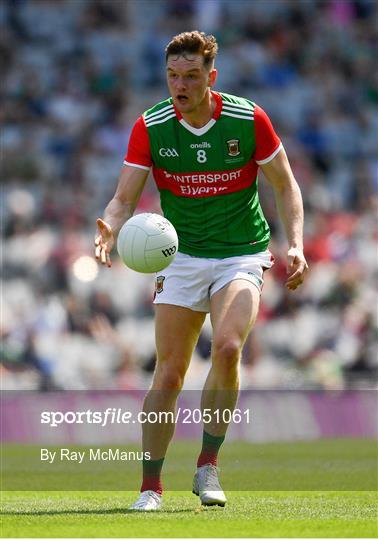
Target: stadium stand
x=76, y=75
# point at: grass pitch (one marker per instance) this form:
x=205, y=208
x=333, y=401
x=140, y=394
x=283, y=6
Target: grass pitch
x=247, y=514
x=266, y=512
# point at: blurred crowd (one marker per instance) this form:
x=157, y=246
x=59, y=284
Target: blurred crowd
x=76, y=75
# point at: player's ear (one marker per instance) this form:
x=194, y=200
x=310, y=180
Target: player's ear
x=212, y=77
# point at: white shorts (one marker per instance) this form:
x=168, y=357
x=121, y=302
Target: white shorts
x=191, y=281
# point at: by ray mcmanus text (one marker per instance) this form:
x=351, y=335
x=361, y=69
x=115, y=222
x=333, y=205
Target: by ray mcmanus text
x=91, y=454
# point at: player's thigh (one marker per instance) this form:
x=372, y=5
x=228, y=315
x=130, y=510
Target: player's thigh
x=176, y=332
x=233, y=311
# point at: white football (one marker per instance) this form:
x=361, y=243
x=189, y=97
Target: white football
x=147, y=243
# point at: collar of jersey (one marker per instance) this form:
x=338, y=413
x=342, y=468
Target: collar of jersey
x=204, y=129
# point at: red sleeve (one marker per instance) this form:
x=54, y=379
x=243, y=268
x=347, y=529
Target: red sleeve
x=268, y=143
x=138, y=152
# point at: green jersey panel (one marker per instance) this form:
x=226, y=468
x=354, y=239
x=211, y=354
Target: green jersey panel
x=207, y=179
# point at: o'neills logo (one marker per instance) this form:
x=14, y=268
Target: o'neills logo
x=233, y=147
x=203, y=144
x=159, y=284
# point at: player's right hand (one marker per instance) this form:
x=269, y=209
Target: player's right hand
x=104, y=242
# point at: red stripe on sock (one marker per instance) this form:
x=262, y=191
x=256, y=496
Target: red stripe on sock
x=207, y=457
x=152, y=483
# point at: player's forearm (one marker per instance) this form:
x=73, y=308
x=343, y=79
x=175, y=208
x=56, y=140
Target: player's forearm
x=290, y=209
x=121, y=207
x=117, y=212
x=288, y=198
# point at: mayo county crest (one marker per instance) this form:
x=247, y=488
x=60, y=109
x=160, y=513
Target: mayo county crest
x=233, y=147
x=159, y=284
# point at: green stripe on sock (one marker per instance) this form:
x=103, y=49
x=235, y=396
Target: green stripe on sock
x=212, y=440
x=153, y=466
x=210, y=449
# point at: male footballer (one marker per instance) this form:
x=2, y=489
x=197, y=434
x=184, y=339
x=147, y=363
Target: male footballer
x=205, y=149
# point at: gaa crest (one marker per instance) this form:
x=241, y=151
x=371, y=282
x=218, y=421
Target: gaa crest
x=233, y=147
x=159, y=284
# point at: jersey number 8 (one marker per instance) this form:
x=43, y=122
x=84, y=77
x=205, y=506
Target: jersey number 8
x=201, y=156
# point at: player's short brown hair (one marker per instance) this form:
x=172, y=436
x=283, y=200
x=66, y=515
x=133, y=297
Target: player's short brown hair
x=194, y=43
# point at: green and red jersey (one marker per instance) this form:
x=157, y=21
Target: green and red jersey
x=207, y=177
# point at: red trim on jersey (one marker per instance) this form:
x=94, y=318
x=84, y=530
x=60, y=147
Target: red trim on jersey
x=208, y=183
x=218, y=106
x=267, y=140
x=217, y=110
x=139, y=151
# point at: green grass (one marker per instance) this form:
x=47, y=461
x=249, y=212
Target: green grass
x=318, y=489
x=253, y=514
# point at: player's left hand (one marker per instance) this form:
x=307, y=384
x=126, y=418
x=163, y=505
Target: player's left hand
x=297, y=268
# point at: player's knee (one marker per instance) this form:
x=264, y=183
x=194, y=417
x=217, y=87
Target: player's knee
x=169, y=378
x=226, y=353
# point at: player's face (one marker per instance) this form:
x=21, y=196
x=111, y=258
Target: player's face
x=188, y=81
